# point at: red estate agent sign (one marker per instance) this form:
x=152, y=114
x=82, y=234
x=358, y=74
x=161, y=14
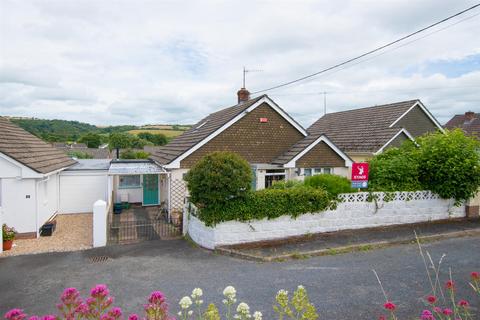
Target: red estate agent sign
x=360, y=175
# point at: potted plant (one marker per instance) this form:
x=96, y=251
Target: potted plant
x=8, y=236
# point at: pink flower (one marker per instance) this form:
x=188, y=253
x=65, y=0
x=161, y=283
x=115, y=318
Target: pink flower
x=463, y=303
x=49, y=317
x=70, y=296
x=107, y=303
x=382, y=317
x=427, y=315
x=82, y=309
x=133, y=317
x=475, y=275
x=15, y=314
x=447, y=311
x=431, y=299
x=157, y=297
x=450, y=285
x=91, y=301
x=437, y=309
x=99, y=291
x=389, y=306
x=34, y=318
x=115, y=312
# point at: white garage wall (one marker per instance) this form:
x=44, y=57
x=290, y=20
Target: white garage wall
x=79, y=190
x=47, y=198
x=18, y=210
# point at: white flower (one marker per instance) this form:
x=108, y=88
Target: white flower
x=190, y=312
x=243, y=308
x=185, y=302
x=257, y=315
x=197, y=293
x=229, y=292
x=282, y=292
x=301, y=287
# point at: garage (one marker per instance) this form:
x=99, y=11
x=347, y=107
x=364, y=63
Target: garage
x=83, y=184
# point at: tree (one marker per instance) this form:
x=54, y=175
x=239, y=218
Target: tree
x=137, y=143
x=92, y=140
x=132, y=154
x=157, y=139
x=121, y=140
x=218, y=178
x=450, y=164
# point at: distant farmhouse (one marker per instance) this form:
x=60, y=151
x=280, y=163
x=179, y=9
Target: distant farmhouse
x=468, y=122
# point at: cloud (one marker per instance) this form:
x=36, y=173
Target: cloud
x=119, y=62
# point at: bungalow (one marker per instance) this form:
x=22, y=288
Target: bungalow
x=29, y=179
x=468, y=122
x=362, y=133
x=275, y=145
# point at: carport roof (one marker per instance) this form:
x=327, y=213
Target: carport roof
x=134, y=167
x=90, y=164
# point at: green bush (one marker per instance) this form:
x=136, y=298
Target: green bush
x=287, y=184
x=79, y=155
x=331, y=183
x=449, y=164
x=396, y=169
x=218, y=178
x=267, y=203
x=131, y=154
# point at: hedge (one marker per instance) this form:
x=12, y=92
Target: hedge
x=267, y=203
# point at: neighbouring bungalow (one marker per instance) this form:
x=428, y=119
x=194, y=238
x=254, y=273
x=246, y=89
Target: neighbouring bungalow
x=362, y=133
x=468, y=122
x=275, y=145
x=29, y=179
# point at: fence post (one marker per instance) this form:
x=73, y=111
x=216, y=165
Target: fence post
x=99, y=223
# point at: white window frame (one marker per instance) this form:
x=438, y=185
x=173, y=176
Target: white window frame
x=130, y=186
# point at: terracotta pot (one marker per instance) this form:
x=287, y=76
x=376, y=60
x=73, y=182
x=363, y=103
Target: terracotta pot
x=7, y=244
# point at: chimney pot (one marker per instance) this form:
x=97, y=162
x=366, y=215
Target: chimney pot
x=469, y=116
x=243, y=95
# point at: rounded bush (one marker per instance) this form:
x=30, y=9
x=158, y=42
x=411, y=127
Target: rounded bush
x=217, y=178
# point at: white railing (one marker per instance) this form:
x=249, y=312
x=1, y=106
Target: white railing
x=387, y=196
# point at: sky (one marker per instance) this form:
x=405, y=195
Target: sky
x=141, y=62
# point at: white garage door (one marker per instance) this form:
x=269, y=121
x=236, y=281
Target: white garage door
x=79, y=192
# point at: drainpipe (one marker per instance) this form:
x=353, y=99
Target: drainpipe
x=169, y=177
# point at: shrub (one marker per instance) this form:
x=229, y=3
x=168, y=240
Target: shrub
x=131, y=154
x=267, y=203
x=331, y=183
x=79, y=155
x=218, y=178
x=287, y=184
x=449, y=164
x=8, y=233
x=396, y=169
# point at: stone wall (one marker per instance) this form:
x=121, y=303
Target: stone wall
x=355, y=212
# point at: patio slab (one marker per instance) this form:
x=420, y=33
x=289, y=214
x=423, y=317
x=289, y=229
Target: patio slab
x=73, y=232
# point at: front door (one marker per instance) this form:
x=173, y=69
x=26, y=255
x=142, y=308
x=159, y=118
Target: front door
x=150, y=189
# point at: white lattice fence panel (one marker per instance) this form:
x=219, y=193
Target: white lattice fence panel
x=393, y=196
x=178, y=192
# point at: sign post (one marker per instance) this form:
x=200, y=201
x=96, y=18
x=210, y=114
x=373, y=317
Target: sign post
x=360, y=175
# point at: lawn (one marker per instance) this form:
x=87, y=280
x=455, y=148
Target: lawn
x=168, y=133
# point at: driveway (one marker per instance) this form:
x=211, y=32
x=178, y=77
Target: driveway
x=341, y=286
x=73, y=232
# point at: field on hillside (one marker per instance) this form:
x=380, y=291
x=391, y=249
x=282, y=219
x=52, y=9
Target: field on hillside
x=168, y=133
